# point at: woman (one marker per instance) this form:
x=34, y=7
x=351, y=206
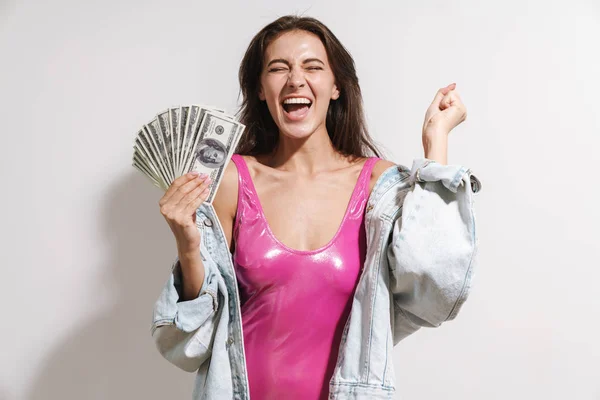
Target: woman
x=316, y=256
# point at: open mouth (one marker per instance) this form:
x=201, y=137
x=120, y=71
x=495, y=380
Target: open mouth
x=296, y=108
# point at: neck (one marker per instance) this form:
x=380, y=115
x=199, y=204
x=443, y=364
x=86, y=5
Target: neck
x=307, y=156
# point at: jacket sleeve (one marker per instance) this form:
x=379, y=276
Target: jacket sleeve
x=183, y=331
x=432, y=251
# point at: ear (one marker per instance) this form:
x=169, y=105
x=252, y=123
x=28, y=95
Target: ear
x=261, y=94
x=335, y=93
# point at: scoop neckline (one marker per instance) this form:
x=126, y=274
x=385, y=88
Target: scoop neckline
x=268, y=226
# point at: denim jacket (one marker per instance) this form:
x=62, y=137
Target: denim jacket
x=421, y=254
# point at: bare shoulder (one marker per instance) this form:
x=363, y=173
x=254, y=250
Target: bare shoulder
x=378, y=169
x=225, y=201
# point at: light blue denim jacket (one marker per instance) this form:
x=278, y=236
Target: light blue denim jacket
x=421, y=253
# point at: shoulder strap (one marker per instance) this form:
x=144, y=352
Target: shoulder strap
x=365, y=174
x=244, y=183
x=242, y=168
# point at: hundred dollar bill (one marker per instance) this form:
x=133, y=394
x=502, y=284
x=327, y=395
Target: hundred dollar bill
x=145, y=149
x=149, y=175
x=211, y=108
x=157, y=141
x=181, y=139
x=142, y=156
x=194, y=117
x=174, y=114
x=143, y=167
x=213, y=147
x=165, y=130
x=154, y=181
x=139, y=160
x=184, y=116
x=239, y=133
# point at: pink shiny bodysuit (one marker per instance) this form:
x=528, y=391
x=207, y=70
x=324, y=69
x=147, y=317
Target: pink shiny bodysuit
x=295, y=303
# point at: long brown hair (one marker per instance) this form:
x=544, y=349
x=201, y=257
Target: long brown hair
x=345, y=120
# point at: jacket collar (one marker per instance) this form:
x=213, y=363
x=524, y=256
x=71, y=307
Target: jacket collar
x=381, y=200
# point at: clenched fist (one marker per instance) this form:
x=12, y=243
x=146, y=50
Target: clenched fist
x=445, y=112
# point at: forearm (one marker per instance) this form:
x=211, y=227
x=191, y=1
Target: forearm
x=184, y=320
x=192, y=271
x=435, y=147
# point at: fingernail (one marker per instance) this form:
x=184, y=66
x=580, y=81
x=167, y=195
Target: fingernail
x=203, y=175
x=194, y=173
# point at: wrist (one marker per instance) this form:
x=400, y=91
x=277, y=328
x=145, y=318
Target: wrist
x=188, y=254
x=435, y=146
x=437, y=135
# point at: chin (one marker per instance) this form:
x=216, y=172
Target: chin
x=297, y=129
x=297, y=132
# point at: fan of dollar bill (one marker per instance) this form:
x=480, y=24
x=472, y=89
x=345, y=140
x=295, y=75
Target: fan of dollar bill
x=184, y=139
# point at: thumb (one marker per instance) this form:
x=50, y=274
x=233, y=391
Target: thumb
x=437, y=100
x=439, y=96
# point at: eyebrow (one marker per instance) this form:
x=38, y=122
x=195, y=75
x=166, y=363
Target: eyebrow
x=281, y=60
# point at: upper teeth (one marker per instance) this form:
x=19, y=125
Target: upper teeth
x=297, y=100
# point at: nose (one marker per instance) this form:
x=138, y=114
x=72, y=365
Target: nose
x=295, y=79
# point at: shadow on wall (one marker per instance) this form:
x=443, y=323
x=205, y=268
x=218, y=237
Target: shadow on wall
x=113, y=356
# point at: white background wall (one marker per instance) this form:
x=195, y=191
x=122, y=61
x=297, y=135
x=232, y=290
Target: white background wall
x=85, y=251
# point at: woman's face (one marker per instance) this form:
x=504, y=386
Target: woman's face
x=213, y=155
x=297, y=83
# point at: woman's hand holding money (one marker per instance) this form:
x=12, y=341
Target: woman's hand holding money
x=178, y=206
